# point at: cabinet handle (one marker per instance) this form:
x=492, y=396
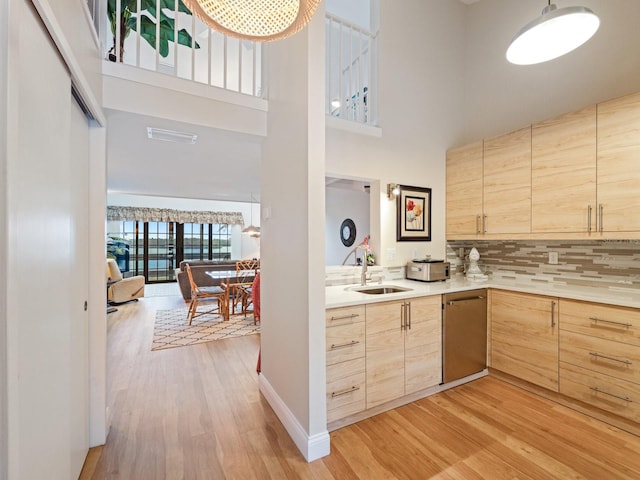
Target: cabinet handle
x=620, y=324
x=589, y=218
x=599, y=355
x=402, y=316
x=484, y=224
x=601, y=211
x=344, y=345
x=598, y=390
x=477, y=224
x=346, y=391
x=409, y=311
x=344, y=317
x=553, y=314
x=453, y=302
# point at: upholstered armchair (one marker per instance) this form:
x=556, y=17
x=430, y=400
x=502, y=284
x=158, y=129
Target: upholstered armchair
x=121, y=289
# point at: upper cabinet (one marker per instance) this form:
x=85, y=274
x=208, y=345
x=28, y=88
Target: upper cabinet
x=464, y=190
x=563, y=173
x=507, y=183
x=575, y=176
x=618, y=165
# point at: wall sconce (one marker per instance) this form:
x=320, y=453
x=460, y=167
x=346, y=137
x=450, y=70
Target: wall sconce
x=393, y=190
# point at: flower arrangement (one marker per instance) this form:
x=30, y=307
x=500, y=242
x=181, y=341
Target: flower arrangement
x=368, y=252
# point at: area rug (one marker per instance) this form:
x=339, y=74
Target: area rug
x=172, y=329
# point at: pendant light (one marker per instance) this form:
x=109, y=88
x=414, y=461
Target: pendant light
x=255, y=20
x=251, y=230
x=555, y=33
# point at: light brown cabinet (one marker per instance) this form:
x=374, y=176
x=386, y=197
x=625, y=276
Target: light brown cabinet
x=403, y=348
x=345, y=361
x=574, y=176
x=464, y=190
x=507, y=183
x=618, y=172
x=563, y=173
x=600, y=356
x=524, y=337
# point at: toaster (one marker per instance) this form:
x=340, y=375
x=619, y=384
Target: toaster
x=427, y=270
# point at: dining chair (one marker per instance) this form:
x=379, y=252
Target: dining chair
x=205, y=294
x=246, y=270
x=255, y=297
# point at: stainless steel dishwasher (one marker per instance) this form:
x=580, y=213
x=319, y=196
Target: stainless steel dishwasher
x=464, y=334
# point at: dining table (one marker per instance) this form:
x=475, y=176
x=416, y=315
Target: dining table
x=231, y=281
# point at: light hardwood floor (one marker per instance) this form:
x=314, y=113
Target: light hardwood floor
x=195, y=413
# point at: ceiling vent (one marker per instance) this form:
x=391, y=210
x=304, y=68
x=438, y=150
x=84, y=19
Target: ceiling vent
x=171, y=135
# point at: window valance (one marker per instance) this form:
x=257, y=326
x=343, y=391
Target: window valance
x=145, y=214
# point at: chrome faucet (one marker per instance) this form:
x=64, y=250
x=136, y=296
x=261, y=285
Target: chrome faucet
x=363, y=275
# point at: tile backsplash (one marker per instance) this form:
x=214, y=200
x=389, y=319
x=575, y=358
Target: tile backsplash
x=609, y=263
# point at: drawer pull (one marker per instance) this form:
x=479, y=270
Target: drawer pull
x=620, y=397
x=620, y=324
x=345, y=317
x=599, y=355
x=345, y=391
x=344, y=345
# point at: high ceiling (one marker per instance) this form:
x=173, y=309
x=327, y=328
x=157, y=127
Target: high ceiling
x=221, y=165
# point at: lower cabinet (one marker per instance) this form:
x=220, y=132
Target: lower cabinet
x=403, y=348
x=524, y=337
x=379, y=352
x=600, y=356
x=345, y=349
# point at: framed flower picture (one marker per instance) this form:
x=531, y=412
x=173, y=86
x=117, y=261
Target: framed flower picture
x=414, y=214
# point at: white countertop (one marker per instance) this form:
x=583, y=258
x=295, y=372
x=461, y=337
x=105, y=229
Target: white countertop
x=343, y=295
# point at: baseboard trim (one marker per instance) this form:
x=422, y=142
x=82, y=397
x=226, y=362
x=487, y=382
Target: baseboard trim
x=312, y=447
x=399, y=402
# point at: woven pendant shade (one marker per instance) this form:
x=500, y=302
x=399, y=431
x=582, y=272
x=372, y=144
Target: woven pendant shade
x=256, y=20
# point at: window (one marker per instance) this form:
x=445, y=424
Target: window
x=155, y=249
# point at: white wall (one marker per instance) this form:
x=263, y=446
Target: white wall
x=81, y=44
x=341, y=204
x=138, y=91
x=4, y=55
x=354, y=11
x=421, y=76
x=292, y=275
x=500, y=97
x=243, y=246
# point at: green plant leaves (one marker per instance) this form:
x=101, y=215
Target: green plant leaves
x=148, y=16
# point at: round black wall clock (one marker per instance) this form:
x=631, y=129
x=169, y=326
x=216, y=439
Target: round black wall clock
x=348, y=232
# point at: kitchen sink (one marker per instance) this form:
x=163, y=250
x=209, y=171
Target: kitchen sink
x=380, y=289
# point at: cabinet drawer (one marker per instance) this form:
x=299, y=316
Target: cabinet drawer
x=608, y=393
x=616, y=359
x=621, y=324
x=344, y=315
x=345, y=342
x=345, y=389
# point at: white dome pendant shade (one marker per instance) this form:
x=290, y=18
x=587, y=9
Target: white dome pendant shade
x=255, y=20
x=552, y=35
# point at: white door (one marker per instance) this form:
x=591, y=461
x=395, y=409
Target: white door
x=79, y=283
x=47, y=260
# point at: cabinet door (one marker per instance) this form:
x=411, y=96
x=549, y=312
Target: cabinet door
x=618, y=172
x=524, y=337
x=384, y=352
x=422, y=344
x=563, y=173
x=507, y=183
x=464, y=190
